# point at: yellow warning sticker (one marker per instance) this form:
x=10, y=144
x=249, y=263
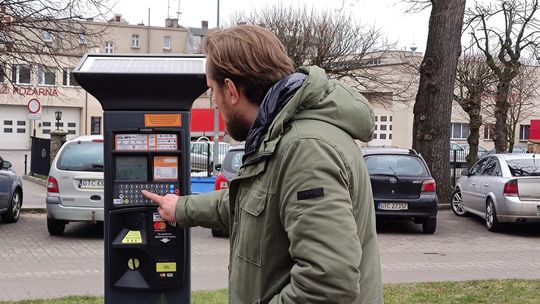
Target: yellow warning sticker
x=165, y=267
x=132, y=237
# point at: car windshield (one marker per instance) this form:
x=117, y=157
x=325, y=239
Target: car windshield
x=401, y=165
x=524, y=167
x=82, y=156
x=235, y=157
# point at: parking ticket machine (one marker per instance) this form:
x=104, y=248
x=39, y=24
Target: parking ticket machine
x=146, y=102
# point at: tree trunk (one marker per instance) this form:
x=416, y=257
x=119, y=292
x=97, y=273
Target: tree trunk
x=433, y=106
x=511, y=136
x=501, y=116
x=475, y=122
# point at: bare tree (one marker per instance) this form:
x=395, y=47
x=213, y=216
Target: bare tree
x=33, y=31
x=503, y=48
x=524, y=90
x=335, y=42
x=433, y=106
x=473, y=81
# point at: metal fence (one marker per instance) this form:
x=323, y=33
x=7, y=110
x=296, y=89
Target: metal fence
x=202, y=157
x=458, y=161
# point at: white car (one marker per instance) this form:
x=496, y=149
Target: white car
x=75, y=184
x=202, y=155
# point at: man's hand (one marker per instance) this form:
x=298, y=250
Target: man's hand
x=167, y=205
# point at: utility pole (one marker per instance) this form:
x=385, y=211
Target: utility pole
x=216, y=121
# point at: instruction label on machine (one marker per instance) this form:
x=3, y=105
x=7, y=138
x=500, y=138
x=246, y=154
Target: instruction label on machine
x=146, y=142
x=161, y=233
x=132, y=237
x=165, y=168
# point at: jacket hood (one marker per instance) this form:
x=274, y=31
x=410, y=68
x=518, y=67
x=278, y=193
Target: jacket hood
x=327, y=100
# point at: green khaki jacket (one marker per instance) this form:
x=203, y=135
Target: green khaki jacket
x=300, y=212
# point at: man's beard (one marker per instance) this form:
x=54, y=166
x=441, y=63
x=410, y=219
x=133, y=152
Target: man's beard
x=238, y=127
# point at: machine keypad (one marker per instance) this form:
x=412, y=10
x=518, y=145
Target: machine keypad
x=130, y=194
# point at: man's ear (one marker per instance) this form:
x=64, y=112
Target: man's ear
x=233, y=90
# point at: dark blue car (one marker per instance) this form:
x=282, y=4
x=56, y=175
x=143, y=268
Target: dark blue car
x=11, y=193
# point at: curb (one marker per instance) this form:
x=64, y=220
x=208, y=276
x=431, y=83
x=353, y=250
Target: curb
x=444, y=206
x=34, y=210
x=35, y=180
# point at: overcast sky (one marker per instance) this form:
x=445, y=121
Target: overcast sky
x=388, y=15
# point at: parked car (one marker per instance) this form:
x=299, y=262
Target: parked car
x=459, y=152
x=202, y=155
x=75, y=184
x=11, y=193
x=402, y=186
x=501, y=188
x=227, y=171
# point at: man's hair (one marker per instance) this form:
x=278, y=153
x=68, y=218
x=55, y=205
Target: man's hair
x=251, y=56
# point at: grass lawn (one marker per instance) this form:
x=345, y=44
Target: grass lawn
x=469, y=292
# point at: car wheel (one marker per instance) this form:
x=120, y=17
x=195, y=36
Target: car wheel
x=55, y=227
x=14, y=211
x=457, y=204
x=429, y=225
x=492, y=223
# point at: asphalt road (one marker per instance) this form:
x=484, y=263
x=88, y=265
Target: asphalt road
x=36, y=265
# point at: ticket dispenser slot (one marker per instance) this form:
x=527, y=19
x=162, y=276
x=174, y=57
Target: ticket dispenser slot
x=146, y=101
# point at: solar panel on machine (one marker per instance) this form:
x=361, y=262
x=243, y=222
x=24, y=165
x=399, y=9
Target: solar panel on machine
x=145, y=65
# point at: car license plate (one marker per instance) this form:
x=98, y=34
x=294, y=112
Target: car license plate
x=393, y=206
x=91, y=184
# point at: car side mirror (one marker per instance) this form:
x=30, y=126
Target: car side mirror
x=6, y=165
x=465, y=172
x=218, y=167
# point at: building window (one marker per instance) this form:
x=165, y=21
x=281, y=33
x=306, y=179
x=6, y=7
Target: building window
x=72, y=132
x=68, y=79
x=47, y=36
x=196, y=44
x=21, y=123
x=20, y=130
x=383, y=118
x=8, y=130
x=20, y=74
x=524, y=132
x=83, y=39
x=383, y=136
x=489, y=131
x=8, y=122
x=109, y=47
x=72, y=124
x=95, y=125
x=459, y=130
x=46, y=76
x=135, y=41
x=166, y=42
x=46, y=123
x=46, y=131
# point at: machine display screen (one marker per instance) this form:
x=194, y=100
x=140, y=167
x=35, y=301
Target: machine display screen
x=131, y=168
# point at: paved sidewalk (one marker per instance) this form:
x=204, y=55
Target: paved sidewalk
x=36, y=265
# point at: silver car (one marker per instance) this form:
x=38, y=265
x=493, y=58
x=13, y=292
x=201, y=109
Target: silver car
x=501, y=188
x=75, y=185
